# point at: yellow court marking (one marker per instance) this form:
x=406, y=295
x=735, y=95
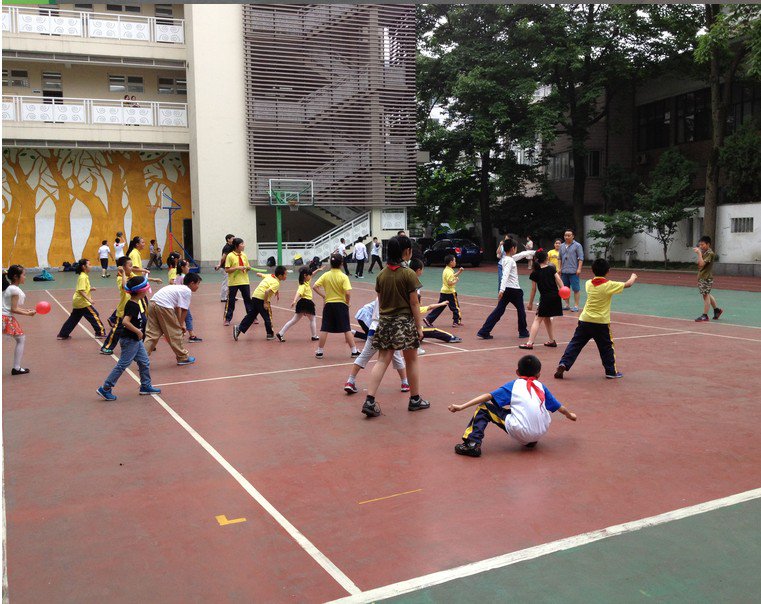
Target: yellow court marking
x=389, y=496
x=223, y=521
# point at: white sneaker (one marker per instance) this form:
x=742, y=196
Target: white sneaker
x=420, y=352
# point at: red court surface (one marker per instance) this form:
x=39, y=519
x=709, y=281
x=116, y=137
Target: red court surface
x=118, y=501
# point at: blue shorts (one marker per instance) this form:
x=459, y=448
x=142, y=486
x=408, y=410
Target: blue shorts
x=571, y=280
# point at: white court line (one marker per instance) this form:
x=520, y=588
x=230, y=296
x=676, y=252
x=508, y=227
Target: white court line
x=321, y=559
x=467, y=570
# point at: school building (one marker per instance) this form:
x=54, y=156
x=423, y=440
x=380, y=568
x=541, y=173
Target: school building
x=111, y=111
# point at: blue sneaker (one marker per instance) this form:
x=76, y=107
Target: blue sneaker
x=615, y=376
x=148, y=390
x=106, y=395
x=190, y=361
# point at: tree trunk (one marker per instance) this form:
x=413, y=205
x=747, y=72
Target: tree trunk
x=579, y=184
x=665, y=254
x=489, y=243
x=711, y=200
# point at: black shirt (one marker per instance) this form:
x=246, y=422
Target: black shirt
x=227, y=249
x=134, y=310
x=545, y=281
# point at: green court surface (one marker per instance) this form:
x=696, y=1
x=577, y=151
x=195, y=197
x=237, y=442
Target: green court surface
x=711, y=557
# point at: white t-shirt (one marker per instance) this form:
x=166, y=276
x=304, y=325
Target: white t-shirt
x=360, y=251
x=173, y=296
x=103, y=251
x=529, y=416
x=12, y=290
x=376, y=249
x=510, y=270
x=119, y=250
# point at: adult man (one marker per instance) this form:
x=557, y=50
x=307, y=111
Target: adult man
x=375, y=255
x=571, y=261
x=360, y=255
x=228, y=247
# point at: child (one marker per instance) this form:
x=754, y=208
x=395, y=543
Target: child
x=399, y=324
x=260, y=303
x=521, y=408
x=554, y=256
x=155, y=254
x=183, y=268
x=594, y=322
x=334, y=287
x=124, y=274
x=705, y=278
x=431, y=332
x=104, y=252
x=171, y=269
x=82, y=303
x=375, y=255
x=304, y=306
x=510, y=292
x=136, y=244
x=546, y=279
x=529, y=246
x=368, y=352
x=118, y=248
x=131, y=342
x=166, y=317
x=12, y=298
x=449, y=279
x=237, y=269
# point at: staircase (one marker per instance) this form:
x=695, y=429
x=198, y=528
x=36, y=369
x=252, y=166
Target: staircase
x=335, y=215
x=322, y=246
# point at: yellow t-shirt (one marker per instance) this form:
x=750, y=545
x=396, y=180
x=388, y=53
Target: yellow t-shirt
x=83, y=284
x=171, y=275
x=446, y=277
x=123, y=295
x=599, y=294
x=554, y=257
x=336, y=285
x=137, y=259
x=305, y=291
x=237, y=277
x=269, y=283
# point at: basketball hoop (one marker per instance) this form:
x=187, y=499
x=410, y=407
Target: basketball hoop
x=293, y=204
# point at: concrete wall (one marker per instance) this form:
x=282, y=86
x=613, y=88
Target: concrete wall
x=219, y=155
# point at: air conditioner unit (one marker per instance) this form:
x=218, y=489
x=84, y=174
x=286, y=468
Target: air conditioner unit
x=642, y=159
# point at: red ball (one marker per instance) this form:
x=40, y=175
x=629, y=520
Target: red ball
x=565, y=292
x=42, y=308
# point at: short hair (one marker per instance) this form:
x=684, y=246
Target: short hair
x=153, y=241
x=600, y=267
x=104, y=242
x=396, y=248
x=540, y=256
x=558, y=241
x=279, y=270
x=122, y=260
x=236, y=242
x=448, y=258
x=529, y=366
x=415, y=264
x=400, y=233
x=569, y=230
x=336, y=261
x=375, y=239
x=509, y=244
x=191, y=278
x=118, y=240
x=705, y=239
x=229, y=236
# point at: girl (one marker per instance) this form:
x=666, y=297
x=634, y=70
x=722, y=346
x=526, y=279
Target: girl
x=547, y=280
x=171, y=265
x=304, y=305
x=237, y=268
x=554, y=255
x=12, y=297
x=118, y=248
x=183, y=268
x=400, y=326
x=103, y=253
x=529, y=247
x=133, y=251
x=82, y=303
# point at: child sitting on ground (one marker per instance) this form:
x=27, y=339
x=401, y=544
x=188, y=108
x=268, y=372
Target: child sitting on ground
x=521, y=408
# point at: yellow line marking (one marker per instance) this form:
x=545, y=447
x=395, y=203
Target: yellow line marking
x=223, y=521
x=388, y=496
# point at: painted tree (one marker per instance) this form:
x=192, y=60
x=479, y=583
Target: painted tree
x=21, y=168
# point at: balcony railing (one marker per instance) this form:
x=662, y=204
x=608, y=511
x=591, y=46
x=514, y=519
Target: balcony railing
x=94, y=111
x=49, y=21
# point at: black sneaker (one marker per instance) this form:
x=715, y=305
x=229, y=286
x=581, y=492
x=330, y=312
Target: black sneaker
x=279, y=337
x=270, y=336
x=717, y=313
x=530, y=445
x=417, y=405
x=524, y=335
x=315, y=338
x=484, y=337
x=19, y=371
x=355, y=354
x=468, y=448
x=560, y=371
x=236, y=332
x=701, y=319
x=371, y=409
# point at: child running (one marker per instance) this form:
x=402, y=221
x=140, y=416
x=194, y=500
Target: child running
x=260, y=303
x=521, y=408
x=705, y=279
x=594, y=322
x=304, y=306
x=449, y=279
x=13, y=298
x=104, y=253
x=183, y=268
x=131, y=342
x=82, y=304
x=545, y=278
x=334, y=287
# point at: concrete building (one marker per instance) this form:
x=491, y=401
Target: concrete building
x=110, y=110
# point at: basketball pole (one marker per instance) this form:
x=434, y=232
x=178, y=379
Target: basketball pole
x=279, y=228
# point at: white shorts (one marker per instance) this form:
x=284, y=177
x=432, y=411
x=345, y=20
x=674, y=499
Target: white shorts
x=368, y=352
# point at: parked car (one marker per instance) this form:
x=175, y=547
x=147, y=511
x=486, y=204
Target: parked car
x=464, y=250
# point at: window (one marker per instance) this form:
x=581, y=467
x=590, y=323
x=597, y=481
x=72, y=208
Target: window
x=51, y=81
x=165, y=11
x=745, y=103
x=742, y=225
x=117, y=83
x=126, y=8
x=693, y=116
x=182, y=86
x=82, y=6
x=560, y=166
x=15, y=78
x=172, y=86
x=653, y=124
x=135, y=84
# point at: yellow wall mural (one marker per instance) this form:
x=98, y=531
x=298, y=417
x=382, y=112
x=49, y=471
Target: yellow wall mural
x=59, y=204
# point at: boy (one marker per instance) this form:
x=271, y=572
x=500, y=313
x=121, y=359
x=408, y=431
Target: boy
x=594, y=322
x=449, y=279
x=510, y=292
x=521, y=408
x=375, y=256
x=431, y=332
x=260, y=303
x=131, y=341
x=705, y=278
x=166, y=317
x=334, y=287
x=104, y=253
x=226, y=249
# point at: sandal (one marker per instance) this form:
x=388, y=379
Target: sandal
x=526, y=346
x=551, y=344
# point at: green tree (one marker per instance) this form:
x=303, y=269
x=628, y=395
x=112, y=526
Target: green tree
x=619, y=187
x=741, y=162
x=668, y=198
x=613, y=228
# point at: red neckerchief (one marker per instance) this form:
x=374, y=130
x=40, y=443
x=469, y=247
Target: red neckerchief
x=240, y=259
x=599, y=281
x=530, y=385
x=273, y=276
x=393, y=267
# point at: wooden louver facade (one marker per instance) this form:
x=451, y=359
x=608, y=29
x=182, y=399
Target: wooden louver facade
x=330, y=97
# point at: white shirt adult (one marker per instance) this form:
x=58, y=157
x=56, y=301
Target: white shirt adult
x=103, y=252
x=10, y=291
x=360, y=251
x=173, y=296
x=119, y=249
x=376, y=248
x=510, y=270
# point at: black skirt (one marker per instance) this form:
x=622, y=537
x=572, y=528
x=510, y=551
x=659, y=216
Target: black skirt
x=550, y=306
x=305, y=306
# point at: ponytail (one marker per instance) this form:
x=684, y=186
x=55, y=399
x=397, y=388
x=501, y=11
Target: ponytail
x=133, y=242
x=14, y=272
x=79, y=266
x=303, y=274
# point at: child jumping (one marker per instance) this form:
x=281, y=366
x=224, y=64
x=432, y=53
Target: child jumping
x=594, y=322
x=449, y=279
x=260, y=303
x=705, y=279
x=304, y=306
x=131, y=342
x=183, y=268
x=13, y=297
x=544, y=277
x=335, y=287
x=521, y=408
x=82, y=304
